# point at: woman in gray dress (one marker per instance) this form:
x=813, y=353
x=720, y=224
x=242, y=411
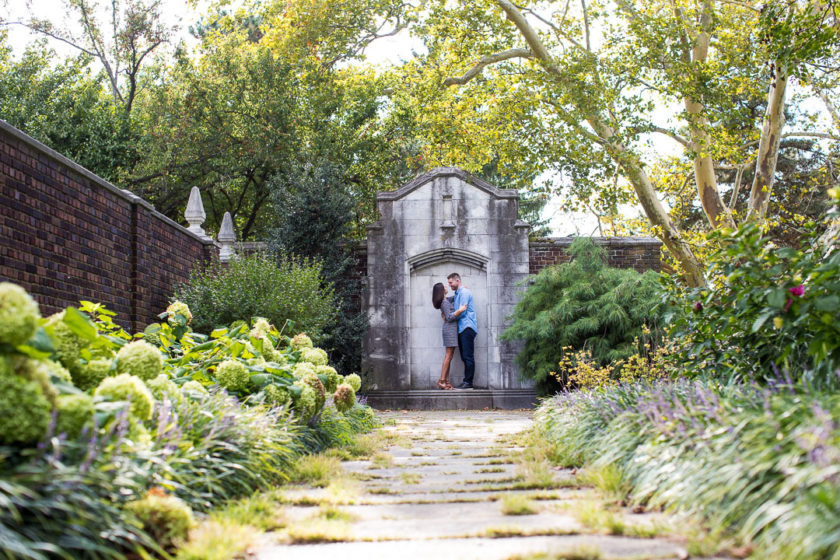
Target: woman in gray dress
x=450, y=330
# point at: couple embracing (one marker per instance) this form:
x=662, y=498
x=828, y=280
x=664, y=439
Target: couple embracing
x=459, y=328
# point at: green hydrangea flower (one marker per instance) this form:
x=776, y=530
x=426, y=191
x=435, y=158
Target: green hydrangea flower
x=37, y=371
x=233, y=375
x=166, y=518
x=91, y=374
x=67, y=344
x=313, y=381
x=194, y=387
x=141, y=359
x=125, y=387
x=314, y=356
x=57, y=372
x=302, y=369
x=261, y=328
x=333, y=378
x=74, y=413
x=301, y=341
x=277, y=357
x=26, y=411
x=354, y=381
x=258, y=361
x=276, y=396
x=305, y=404
x=344, y=397
x=161, y=386
x=178, y=308
x=19, y=314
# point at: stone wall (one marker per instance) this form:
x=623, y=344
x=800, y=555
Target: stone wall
x=68, y=235
x=442, y=222
x=640, y=253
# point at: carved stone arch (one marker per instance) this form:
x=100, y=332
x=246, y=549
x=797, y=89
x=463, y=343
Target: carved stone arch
x=448, y=254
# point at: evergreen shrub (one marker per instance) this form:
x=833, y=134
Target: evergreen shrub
x=279, y=289
x=583, y=305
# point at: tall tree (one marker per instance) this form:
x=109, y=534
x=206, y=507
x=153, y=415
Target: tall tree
x=66, y=105
x=583, y=88
x=121, y=36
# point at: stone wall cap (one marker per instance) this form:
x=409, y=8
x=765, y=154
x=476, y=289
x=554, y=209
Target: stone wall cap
x=438, y=172
x=122, y=193
x=608, y=241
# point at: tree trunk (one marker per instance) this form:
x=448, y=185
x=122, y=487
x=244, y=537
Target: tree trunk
x=704, y=169
x=768, y=147
x=655, y=212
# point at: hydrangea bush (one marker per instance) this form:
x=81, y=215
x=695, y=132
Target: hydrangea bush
x=127, y=413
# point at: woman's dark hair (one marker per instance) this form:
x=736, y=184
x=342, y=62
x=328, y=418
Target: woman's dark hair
x=437, y=295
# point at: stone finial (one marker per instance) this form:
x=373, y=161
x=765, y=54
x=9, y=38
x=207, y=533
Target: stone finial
x=195, y=214
x=226, y=239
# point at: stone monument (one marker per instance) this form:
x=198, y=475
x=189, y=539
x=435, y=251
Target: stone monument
x=443, y=221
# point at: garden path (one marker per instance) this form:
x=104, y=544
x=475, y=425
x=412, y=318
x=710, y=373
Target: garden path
x=439, y=492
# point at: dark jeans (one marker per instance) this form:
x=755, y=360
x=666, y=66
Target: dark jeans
x=466, y=345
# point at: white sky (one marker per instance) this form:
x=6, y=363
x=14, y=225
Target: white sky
x=386, y=51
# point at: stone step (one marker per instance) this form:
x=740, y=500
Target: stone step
x=455, y=399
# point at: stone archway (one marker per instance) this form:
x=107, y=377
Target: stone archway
x=444, y=221
x=425, y=353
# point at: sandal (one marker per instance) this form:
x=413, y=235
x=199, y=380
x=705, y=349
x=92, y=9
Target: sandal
x=441, y=384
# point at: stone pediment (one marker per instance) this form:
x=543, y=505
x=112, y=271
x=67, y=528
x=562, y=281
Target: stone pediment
x=461, y=256
x=441, y=172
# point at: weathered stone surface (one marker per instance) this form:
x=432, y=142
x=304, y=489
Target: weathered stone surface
x=440, y=496
x=442, y=222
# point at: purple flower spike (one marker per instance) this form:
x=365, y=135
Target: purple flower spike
x=798, y=291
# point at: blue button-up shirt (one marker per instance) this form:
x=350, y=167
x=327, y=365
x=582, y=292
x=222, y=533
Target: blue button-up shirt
x=466, y=319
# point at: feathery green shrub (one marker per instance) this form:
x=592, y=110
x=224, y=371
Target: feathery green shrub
x=258, y=285
x=583, y=304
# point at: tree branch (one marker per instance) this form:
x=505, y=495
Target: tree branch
x=486, y=60
x=673, y=135
x=52, y=35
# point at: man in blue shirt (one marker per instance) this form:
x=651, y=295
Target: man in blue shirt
x=467, y=328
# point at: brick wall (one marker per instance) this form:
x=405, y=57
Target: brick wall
x=640, y=253
x=68, y=235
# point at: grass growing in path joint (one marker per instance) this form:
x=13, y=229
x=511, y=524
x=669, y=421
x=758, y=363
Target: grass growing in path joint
x=517, y=504
x=317, y=470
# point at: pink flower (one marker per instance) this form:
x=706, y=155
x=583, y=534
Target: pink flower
x=798, y=291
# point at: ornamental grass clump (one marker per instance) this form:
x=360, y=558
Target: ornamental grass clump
x=19, y=314
x=756, y=462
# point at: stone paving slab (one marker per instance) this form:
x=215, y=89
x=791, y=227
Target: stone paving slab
x=431, y=501
x=481, y=549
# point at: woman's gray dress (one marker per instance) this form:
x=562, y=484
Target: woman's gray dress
x=450, y=323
